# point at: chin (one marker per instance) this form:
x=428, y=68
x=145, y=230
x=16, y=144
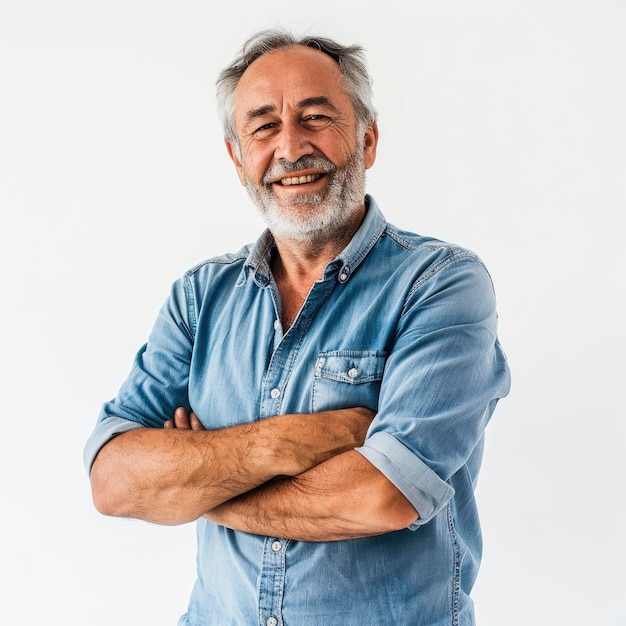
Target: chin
x=318, y=225
x=313, y=217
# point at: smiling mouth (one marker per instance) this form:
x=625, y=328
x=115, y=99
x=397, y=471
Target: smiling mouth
x=299, y=180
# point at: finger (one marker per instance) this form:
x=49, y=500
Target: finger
x=181, y=419
x=169, y=424
x=196, y=424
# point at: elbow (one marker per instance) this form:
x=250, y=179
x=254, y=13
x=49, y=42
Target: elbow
x=116, y=492
x=396, y=513
x=389, y=509
x=105, y=493
x=103, y=500
x=103, y=504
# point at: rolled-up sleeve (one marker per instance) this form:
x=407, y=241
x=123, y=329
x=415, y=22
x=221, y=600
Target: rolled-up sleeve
x=442, y=380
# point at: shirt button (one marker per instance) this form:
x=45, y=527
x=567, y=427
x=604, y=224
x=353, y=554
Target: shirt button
x=277, y=546
x=353, y=372
x=276, y=324
x=271, y=621
x=343, y=276
x=274, y=393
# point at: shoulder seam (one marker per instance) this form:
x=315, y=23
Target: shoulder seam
x=454, y=255
x=190, y=295
x=226, y=259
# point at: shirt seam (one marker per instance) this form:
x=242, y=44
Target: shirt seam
x=454, y=256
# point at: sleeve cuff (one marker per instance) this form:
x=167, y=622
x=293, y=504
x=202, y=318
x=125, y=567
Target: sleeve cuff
x=418, y=483
x=103, y=432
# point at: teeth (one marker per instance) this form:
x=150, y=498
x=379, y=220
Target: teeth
x=300, y=180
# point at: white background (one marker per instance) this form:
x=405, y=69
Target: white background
x=502, y=129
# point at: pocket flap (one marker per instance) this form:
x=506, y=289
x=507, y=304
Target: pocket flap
x=350, y=366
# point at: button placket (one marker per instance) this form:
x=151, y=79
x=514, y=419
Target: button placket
x=272, y=581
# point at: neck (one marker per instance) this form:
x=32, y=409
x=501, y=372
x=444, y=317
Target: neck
x=298, y=263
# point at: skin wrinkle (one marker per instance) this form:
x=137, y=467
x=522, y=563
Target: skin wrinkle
x=254, y=114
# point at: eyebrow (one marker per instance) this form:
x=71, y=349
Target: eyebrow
x=264, y=110
x=316, y=100
x=270, y=108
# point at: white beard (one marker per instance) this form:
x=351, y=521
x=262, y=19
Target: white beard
x=313, y=217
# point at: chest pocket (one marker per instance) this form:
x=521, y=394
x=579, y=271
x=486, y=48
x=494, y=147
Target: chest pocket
x=347, y=378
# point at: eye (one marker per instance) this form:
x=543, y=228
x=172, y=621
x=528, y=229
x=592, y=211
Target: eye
x=316, y=121
x=265, y=130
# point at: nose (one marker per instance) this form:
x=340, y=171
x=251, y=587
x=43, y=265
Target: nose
x=292, y=142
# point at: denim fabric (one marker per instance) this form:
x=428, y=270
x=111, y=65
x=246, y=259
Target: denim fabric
x=399, y=323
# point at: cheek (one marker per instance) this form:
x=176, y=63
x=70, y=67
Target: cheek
x=340, y=147
x=256, y=163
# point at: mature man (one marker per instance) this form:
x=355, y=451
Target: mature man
x=317, y=401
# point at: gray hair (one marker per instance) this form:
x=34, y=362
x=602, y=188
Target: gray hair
x=351, y=61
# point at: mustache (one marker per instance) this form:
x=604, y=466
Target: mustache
x=284, y=168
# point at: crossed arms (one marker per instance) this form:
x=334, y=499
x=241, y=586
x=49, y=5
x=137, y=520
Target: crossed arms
x=298, y=476
x=294, y=476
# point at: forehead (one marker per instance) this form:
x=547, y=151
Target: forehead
x=288, y=76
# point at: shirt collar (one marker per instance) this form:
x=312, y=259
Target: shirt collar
x=344, y=264
x=362, y=242
x=258, y=261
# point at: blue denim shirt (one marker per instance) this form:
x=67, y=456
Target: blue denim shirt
x=399, y=323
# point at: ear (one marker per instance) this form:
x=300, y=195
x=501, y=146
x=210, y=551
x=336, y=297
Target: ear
x=232, y=153
x=370, y=143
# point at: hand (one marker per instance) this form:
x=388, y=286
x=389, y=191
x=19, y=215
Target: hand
x=184, y=421
x=313, y=438
x=306, y=439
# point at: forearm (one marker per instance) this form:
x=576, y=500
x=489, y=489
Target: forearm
x=173, y=476
x=343, y=498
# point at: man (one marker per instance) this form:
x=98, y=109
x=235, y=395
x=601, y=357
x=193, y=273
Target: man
x=315, y=402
